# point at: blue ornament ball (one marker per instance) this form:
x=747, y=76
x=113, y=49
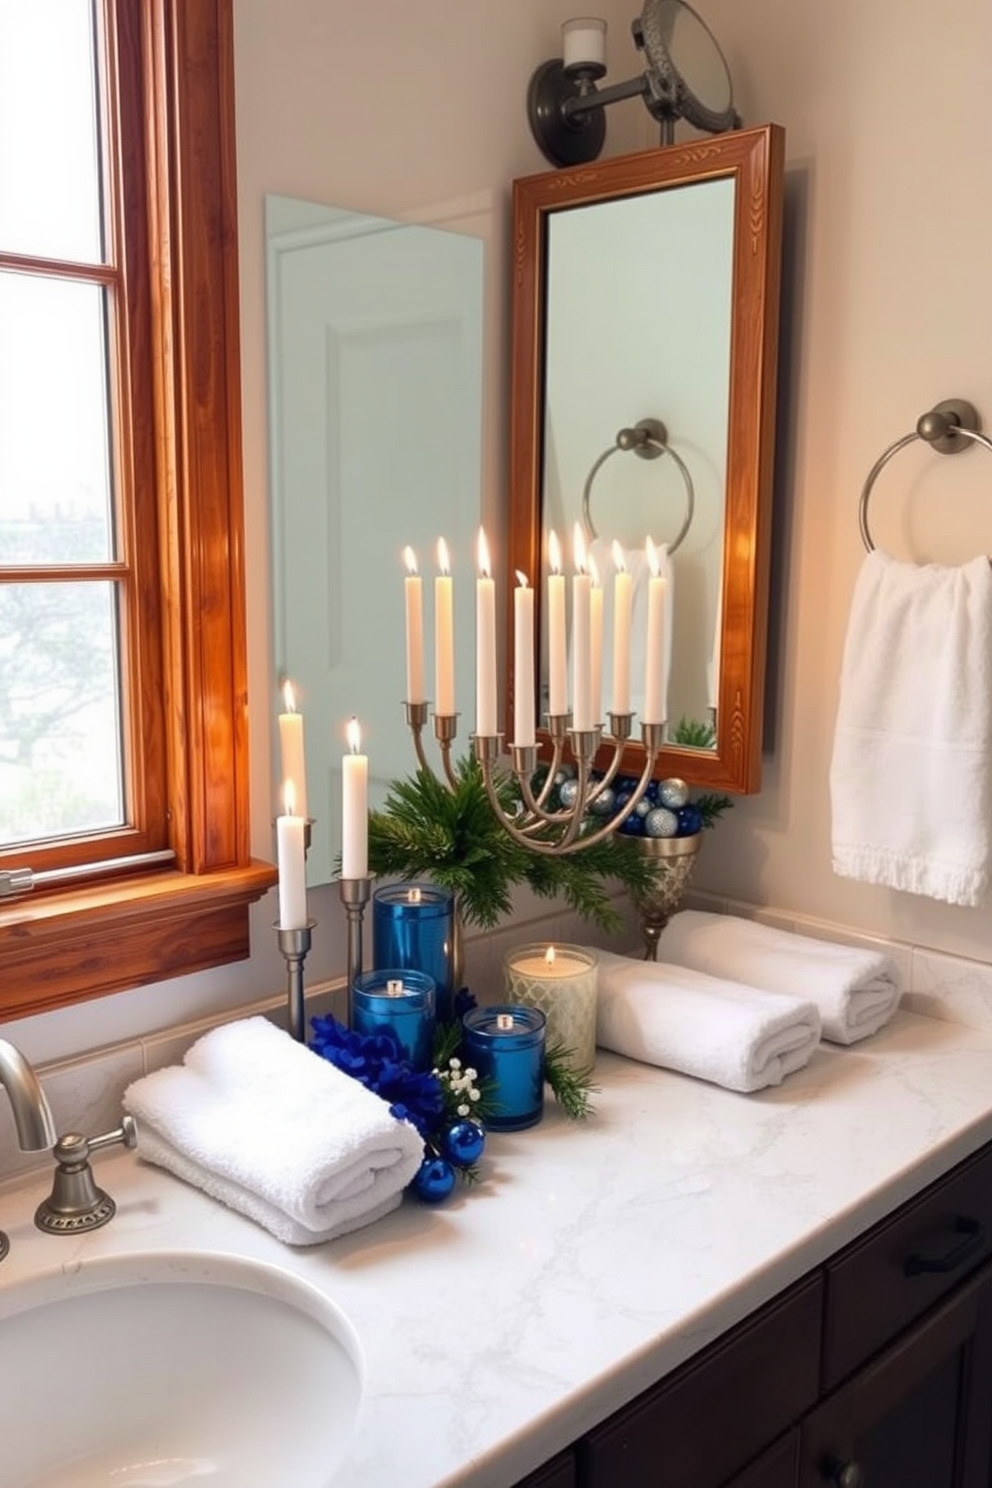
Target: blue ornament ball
x=673, y=793
x=434, y=1180
x=464, y=1142
x=690, y=821
x=661, y=823
x=632, y=825
x=568, y=793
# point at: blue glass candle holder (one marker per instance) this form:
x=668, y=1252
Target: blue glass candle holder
x=505, y=1044
x=402, y=1001
x=413, y=927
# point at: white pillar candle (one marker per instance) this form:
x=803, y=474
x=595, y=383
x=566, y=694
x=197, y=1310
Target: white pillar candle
x=654, y=671
x=583, y=40
x=581, y=640
x=523, y=663
x=485, y=644
x=354, y=807
x=291, y=858
x=291, y=749
x=557, y=665
x=444, y=635
x=413, y=587
x=622, y=600
x=596, y=643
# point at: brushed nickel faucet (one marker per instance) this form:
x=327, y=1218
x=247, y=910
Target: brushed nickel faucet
x=29, y=1103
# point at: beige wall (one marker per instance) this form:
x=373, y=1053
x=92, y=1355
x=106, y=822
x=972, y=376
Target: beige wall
x=400, y=109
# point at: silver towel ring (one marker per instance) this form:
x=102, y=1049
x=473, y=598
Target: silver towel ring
x=648, y=439
x=945, y=428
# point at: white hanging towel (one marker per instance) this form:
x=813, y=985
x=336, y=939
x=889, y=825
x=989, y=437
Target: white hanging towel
x=910, y=774
x=601, y=552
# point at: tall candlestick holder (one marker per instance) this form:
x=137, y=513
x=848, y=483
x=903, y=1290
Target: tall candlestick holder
x=294, y=945
x=355, y=895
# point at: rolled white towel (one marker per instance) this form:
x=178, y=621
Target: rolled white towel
x=271, y=1129
x=722, y=1031
x=857, y=990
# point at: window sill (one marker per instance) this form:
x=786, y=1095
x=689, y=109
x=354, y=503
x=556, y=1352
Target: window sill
x=57, y=949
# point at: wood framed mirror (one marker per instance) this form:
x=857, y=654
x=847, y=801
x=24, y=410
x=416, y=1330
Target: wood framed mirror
x=646, y=287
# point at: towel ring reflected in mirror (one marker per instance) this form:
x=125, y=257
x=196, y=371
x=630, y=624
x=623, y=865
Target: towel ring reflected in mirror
x=949, y=428
x=648, y=439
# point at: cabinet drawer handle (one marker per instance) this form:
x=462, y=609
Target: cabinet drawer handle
x=843, y=1473
x=975, y=1240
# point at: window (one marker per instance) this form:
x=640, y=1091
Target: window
x=123, y=768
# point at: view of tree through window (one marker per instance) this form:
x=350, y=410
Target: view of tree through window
x=61, y=757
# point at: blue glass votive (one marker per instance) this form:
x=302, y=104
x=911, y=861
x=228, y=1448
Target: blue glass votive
x=506, y=1046
x=413, y=927
x=402, y=1001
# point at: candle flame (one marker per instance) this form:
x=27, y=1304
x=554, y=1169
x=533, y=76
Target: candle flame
x=443, y=561
x=288, y=696
x=482, y=549
x=521, y=579
x=549, y=956
x=579, y=549
x=288, y=798
x=652, y=556
x=410, y=559
x=619, y=560
x=554, y=552
x=354, y=736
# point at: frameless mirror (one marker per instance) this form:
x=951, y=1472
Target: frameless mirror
x=645, y=315
x=375, y=368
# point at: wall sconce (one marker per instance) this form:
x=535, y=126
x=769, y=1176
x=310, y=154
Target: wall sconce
x=566, y=109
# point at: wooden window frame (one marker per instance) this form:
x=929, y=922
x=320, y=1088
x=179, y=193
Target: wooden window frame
x=65, y=945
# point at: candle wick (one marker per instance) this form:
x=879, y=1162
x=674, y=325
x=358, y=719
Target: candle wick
x=504, y=1022
x=394, y=987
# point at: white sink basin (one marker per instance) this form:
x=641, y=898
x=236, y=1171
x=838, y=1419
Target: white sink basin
x=157, y=1370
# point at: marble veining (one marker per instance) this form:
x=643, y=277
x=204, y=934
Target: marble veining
x=593, y=1258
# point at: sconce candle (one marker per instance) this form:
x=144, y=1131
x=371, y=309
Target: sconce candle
x=485, y=644
x=505, y=1044
x=562, y=982
x=557, y=666
x=523, y=663
x=354, y=808
x=583, y=41
x=444, y=635
x=622, y=601
x=401, y=1001
x=291, y=748
x=413, y=593
x=413, y=928
x=291, y=858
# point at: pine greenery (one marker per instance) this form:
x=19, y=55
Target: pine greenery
x=453, y=837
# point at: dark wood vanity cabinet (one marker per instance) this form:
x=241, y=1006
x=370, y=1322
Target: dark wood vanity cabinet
x=874, y=1371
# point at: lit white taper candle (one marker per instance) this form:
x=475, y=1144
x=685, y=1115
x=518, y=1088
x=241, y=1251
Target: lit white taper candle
x=444, y=635
x=523, y=663
x=595, y=642
x=581, y=642
x=413, y=590
x=622, y=600
x=291, y=858
x=485, y=644
x=654, y=671
x=291, y=748
x=557, y=663
x=354, y=807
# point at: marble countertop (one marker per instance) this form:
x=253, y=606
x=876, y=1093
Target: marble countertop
x=593, y=1258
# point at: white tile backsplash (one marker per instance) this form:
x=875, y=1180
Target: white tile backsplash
x=85, y=1092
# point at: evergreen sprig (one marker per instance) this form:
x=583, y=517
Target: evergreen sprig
x=572, y=1091
x=453, y=836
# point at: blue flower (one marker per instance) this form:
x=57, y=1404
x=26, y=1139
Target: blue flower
x=376, y=1061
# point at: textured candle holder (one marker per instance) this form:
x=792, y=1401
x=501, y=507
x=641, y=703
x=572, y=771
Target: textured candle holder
x=401, y=1001
x=565, y=991
x=673, y=860
x=413, y=928
x=505, y=1045
x=294, y=945
x=355, y=894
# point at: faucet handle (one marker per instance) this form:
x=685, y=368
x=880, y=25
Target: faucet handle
x=75, y=1203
